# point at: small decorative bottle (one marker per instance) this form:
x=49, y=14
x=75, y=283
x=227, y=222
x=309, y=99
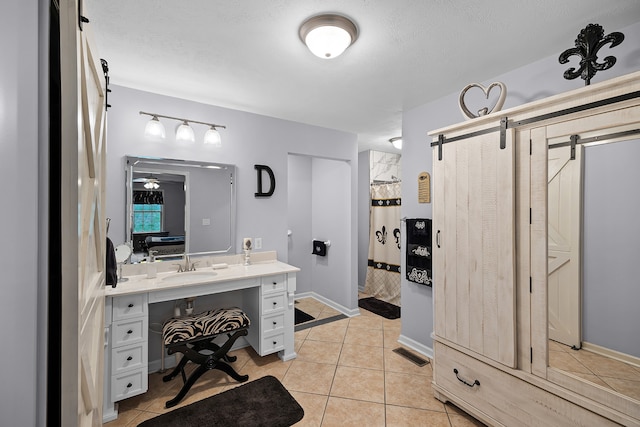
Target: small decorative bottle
x=152, y=268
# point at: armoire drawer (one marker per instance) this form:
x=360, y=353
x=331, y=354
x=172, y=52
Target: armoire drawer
x=274, y=283
x=527, y=404
x=273, y=303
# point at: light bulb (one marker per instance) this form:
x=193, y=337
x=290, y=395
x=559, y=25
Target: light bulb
x=212, y=137
x=184, y=133
x=154, y=130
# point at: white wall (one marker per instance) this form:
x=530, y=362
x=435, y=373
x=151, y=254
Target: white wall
x=364, y=185
x=299, y=215
x=612, y=246
x=249, y=139
x=534, y=81
x=332, y=205
x=23, y=169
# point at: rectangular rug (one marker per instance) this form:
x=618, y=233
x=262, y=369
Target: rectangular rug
x=261, y=403
x=301, y=317
x=379, y=307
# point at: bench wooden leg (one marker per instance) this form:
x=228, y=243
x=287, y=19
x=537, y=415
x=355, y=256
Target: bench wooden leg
x=215, y=360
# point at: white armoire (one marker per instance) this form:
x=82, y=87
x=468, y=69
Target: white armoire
x=491, y=259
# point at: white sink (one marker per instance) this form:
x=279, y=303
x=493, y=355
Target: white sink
x=189, y=276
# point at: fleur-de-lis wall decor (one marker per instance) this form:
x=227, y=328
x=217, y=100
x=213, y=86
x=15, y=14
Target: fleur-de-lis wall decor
x=590, y=40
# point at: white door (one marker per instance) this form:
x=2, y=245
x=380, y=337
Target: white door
x=564, y=215
x=83, y=221
x=474, y=245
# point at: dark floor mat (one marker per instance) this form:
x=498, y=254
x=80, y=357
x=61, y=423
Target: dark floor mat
x=302, y=317
x=379, y=307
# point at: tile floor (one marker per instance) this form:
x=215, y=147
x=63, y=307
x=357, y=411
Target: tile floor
x=610, y=373
x=346, y=374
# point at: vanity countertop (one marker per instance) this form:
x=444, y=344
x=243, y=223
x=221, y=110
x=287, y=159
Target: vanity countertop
x=172, y=280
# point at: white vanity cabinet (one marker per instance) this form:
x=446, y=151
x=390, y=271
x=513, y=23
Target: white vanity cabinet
x=265, y=291
x=491, y=260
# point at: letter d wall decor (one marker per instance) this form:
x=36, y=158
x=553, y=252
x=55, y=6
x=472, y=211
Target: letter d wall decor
x=272, y=180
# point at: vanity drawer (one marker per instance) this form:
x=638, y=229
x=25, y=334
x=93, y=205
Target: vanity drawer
x=129, y=332
x=129, y=306
x=129, y=385
x=272, y=344
x=273, y=303
x=129, y=357
x=527, y=404
x=274, y=283
x=273, y=323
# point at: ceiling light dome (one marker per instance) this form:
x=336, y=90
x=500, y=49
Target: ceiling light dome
x=328, y=35
x=396, y=142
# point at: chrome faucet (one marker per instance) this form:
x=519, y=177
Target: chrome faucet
x=187, y=265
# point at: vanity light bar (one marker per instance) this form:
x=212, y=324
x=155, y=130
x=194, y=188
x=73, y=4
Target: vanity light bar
x=183, y=120
x=154, y=130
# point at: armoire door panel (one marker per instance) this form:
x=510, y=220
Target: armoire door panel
x=474, y=187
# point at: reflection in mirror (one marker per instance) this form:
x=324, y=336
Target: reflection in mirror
x=593, y=253
x=179, y=206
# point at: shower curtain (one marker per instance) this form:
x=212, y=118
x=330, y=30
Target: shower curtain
x=383, y=270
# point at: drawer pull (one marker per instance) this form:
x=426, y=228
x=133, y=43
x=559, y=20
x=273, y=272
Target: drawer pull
x=129, y=332
x=130, y=305
x=275, y=323
x=275, y=303
x=129, y=385
x=475, y=383
x=129, y=359
x=275, y=283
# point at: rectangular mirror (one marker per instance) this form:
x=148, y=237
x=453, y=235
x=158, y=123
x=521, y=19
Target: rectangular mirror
x=179, y=206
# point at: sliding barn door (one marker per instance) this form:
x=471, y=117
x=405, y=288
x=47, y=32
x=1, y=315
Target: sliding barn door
x=83, y=222
x=474, y=247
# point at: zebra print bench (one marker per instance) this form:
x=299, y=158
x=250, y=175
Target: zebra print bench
x=193, y=337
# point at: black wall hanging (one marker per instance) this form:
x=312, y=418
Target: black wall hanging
x=590, y=40
x=272, y=181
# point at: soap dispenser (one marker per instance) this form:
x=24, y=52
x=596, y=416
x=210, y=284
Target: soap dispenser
x=152, y=268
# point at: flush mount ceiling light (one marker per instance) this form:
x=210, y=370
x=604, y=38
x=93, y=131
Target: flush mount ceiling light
x=154, y=130
x=328, y=35
x=396, y=142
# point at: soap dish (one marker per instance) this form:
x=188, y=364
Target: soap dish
x=219, y=266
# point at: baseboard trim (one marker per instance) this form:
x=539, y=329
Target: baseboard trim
x=416, y=346
x=342, y=309
x=613, y=354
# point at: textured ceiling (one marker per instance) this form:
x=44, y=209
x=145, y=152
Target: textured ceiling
x=246, y=54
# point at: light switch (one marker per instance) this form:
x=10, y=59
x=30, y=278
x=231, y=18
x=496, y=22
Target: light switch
x=206, y=221
x=258, y=242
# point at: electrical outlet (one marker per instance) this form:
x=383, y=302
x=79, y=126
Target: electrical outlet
x=206, y=221
x=257, y=242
